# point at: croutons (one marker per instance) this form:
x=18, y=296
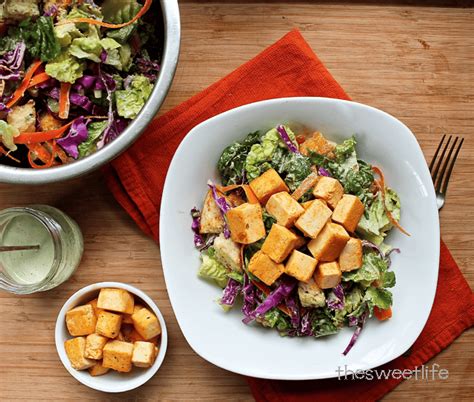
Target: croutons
x=20, y=10
x=94, y=345
x=81, y=320
x=75, y=351
x=314, y=219
x=146, y=323
x=23, y=117
x=264, y=268
x=348, y=212
x=300, y=266
x=279, y=243
x=211, y=217
x=143, y=354
x=118, y=300
x=327, y=275
x=351, y=255
x=118, y=356
x=98, y=369
x=329, y=189
x=246, y=223
x=227, y=252
x=267, y=184
x=48, y=122
x=329, y=243
x=317, y=143
x=284, y=208
x=108, y=324
x=310, y=294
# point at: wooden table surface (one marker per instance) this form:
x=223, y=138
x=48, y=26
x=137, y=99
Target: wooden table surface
x=416, y=63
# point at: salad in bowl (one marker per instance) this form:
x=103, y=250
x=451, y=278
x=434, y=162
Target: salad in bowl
x=295, y=234
x=73, y=75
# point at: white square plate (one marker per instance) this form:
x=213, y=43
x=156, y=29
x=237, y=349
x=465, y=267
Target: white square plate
x=222, y=338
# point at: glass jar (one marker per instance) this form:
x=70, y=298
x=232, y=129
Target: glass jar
x=60, y=248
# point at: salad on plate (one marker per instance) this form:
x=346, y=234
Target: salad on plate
x=73, y=74
x=295, y=234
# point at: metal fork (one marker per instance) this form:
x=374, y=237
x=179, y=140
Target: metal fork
x=446, y=164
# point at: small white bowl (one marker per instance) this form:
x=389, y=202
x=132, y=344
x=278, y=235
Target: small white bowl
x=112, y=381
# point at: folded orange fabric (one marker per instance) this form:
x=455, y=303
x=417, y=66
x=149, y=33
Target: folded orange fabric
x=287, y=68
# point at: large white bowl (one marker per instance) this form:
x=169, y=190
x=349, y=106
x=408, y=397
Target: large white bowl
x=112, y=381
x=222, y=338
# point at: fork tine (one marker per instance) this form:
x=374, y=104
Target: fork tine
x=436, y=153
x=445, y=165
x=450, y=169
x=434, y=174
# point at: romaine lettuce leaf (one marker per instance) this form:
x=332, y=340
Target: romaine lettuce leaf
x=95, y=130
x=213, y=270
x=7, y=134
x=382, y=298
x=373, y=267
x=322, y=323
x=130, y=101
x=65, y=68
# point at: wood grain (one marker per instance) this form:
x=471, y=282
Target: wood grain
x=416, y=63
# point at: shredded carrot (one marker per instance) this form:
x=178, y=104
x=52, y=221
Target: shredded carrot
x=383, y=315
x=381, y=184
x=39, y=151
x=38, y=79
x=306, y=185
x=64, y=102
x=266, y=290
x=251, y=197
x=41, y=136
x=7, y=154
x=18, y=94
x=91, y=21
x=242, y=261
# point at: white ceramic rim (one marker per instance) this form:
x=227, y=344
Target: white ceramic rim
x=72, y=302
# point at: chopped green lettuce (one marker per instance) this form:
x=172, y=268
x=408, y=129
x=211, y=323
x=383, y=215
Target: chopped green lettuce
x=381, y=298
x=7, y=134
x=86, y=48
x=95, y=130
x=66, y=33
x=373, y=268
x=213, y=270
x=352, y=301
x=323, y=323
x=292, y=167
x=274, y=318
x=120, y=11
x=65, y=68
x=130, y=101
x=120, y=57
x=236, y=276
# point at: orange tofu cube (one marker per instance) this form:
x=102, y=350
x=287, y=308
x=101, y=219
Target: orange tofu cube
x=317, y=143
x=143, y=354
x=97, y=310
x=118, y=300
x=94, y=345
x=351, y=255
x=75, y=351
x=327, y=275
x=267, y=184
x=264, y=268
x=279, y=243
x=246, y=223
x=81, y=320
x=329, y=243
x=300, y=266
x=108, y=324
x=348, y=212
x=118, y=356
x=314, y=219
x=284, y=208
x=146, y=323
x=98, y=369
x=329, y=189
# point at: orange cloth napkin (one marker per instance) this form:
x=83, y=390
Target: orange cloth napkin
x=287, y=68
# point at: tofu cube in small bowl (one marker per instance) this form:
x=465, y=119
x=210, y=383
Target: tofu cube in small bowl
x=111, y=337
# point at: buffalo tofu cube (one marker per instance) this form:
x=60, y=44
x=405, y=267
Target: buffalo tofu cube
x=314, y=219
x=117, y=355
x=81, y=320
x=98, y=369
x=317, y=143
x=227, y=252
x=329, y=243
x=127, y=318
x=306, y=204
x=143, y=354
x=348, y=212
x=327, y=275
x=97, y=310
x=300, y=266
x=351, y=255
x=267, y=184
x=310, y=294
x=118, y=300
x=212, y=220
x=264, y=268
x=94, y=345
x=329, y=189
x=108, y=324
x=75, y=351
x=300, y=242
x=279, y=243
x=146, y=323
x=246, y=223
x=284, y=208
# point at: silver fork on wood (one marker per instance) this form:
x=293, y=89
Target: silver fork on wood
x=441, y=168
